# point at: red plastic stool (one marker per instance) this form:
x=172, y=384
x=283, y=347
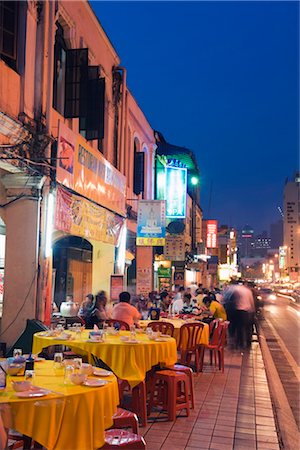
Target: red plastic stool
x=175, y=397
x=138, y=394
x=189, y=373
x=123, y=419
x=116, y=439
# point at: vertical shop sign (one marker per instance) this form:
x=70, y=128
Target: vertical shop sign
x=211, y=233
x=151, y=227
x=143, y=281
x=174, y=249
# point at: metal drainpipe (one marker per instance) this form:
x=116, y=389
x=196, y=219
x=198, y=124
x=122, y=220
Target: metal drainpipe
x=123, y=119
x=42, y=307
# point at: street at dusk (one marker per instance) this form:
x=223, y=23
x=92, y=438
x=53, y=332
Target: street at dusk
x=149, y=225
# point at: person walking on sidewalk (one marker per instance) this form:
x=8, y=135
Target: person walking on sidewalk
x=239, y=305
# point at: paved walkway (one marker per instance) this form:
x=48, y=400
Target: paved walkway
x=233, y=410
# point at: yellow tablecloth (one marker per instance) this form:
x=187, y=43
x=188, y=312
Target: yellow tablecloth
x=177, y=325
x=70, y=418
x=128, y=361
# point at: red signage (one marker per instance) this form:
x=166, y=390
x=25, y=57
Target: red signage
x=211, y=233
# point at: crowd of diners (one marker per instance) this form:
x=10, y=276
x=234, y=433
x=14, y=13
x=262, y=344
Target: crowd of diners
x=182, y=301
x=235, y=303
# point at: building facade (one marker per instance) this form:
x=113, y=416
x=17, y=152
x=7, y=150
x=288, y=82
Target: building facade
x=291, y=228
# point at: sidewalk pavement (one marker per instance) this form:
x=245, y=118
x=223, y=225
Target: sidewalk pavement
x=233, y=410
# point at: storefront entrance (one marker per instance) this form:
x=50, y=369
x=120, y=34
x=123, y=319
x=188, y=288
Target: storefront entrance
x=72, y=267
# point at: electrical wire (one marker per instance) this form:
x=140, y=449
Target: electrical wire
x=22, y=306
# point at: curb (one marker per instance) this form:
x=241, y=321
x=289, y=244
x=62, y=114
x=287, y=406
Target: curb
x=287, y=427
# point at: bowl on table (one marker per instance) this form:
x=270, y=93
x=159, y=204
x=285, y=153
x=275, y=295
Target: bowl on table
x=78, y=378
x=14, y=369
x=21, y=386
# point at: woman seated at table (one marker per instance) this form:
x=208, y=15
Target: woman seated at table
x=124, y=311
x=214, y=308
x=98, y=314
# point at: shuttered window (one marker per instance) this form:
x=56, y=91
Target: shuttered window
x=138, y=176
x=92, y=125
x=9, y=32
x=76, y=83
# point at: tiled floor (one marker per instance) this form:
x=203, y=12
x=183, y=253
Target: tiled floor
x=233, y=411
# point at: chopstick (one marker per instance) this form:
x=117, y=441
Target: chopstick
x=3, y=370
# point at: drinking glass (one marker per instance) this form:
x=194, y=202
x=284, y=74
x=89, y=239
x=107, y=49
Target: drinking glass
x=132, y=332
x=69, y=370
x=57, y=361
x=77, y=363
x=149, y=331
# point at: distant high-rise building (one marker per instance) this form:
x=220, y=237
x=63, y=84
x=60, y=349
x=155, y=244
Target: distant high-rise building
x=276, y=234
x=291, y=227
x=247, y=241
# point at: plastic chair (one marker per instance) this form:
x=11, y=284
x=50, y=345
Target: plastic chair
x=113, y=322
x=169, y=390
x=217, y=344
x=189, y=340
x=118, y=439
x=163, y=327
x=124, y=419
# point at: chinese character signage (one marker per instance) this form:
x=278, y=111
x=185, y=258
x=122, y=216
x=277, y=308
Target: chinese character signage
x=86, y=171
x=143, y=281
x=176, y=188
x=174, y=249
x=151, y=227
x=211, y=233
x=282, y=257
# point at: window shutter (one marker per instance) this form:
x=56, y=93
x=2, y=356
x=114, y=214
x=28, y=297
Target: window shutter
x=138, y=182
x=95, y=110
x=76, y=83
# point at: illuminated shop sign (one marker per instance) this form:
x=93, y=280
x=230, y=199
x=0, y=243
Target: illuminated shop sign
x=211, y=233
x=176, y=188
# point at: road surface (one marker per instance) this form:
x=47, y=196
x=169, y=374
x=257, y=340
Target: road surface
x=281, y=326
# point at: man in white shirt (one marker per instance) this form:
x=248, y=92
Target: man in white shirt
x=177, y=304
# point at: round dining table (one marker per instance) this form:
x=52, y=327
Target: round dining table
x=129, y=360
x=67, y=416
x=177, y=323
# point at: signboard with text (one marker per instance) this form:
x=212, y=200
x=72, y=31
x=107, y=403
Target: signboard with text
x=174, y=249
x=151, y=226
x=86, y=171
x=211, y=234
x=176, y=188
x=143, y=281
x=79, y=217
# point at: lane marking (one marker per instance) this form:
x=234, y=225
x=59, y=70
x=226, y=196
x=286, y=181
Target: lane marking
x=285, y=351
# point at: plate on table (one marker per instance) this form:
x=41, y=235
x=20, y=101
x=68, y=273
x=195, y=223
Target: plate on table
x=32, y=393
x=93, y=382
x=165, y=336
x=101, y=372
x=161, y=339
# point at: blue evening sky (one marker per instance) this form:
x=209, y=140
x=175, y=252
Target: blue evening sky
x=221, y=78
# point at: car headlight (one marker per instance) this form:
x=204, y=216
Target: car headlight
x=272, y=297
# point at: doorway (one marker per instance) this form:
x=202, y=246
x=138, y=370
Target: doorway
x=72, y=264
